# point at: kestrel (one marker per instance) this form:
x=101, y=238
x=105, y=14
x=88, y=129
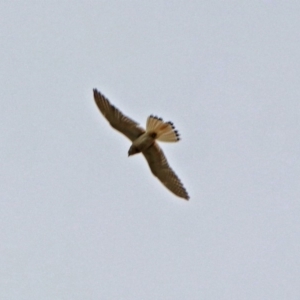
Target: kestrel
x=144, y=141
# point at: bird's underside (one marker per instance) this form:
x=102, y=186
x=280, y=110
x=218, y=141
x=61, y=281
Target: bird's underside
x=144, y=141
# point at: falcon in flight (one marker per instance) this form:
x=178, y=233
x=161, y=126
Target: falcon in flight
x=144, y=141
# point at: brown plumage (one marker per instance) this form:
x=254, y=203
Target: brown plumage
x=144, y=141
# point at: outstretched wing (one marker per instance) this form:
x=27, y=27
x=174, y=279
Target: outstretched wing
x=116, y=119
x=161, y=169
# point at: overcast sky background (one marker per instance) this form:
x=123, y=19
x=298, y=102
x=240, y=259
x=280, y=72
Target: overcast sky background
x=81, y=220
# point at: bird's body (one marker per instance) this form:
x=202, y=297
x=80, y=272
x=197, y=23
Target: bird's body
x=144, y=141
x=141, y=143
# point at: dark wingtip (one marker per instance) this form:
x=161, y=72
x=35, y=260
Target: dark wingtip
x=186, y=196
x=96, y=93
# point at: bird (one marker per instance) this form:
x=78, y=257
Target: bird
x=145, y=141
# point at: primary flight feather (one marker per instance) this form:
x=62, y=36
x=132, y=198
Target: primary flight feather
x=144, y=141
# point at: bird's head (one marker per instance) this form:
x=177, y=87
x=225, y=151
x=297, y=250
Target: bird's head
x=133, y=150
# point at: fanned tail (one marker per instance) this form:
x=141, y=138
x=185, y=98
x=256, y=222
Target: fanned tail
x=163, y=131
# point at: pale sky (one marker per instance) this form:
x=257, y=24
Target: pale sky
x=81, y=220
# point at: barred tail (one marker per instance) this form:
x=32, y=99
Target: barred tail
x=164, y=131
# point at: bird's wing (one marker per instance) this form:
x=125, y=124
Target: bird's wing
x=161, y=169
x=116, y=119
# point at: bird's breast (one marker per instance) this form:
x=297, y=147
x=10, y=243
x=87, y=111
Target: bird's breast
x=143, y=142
